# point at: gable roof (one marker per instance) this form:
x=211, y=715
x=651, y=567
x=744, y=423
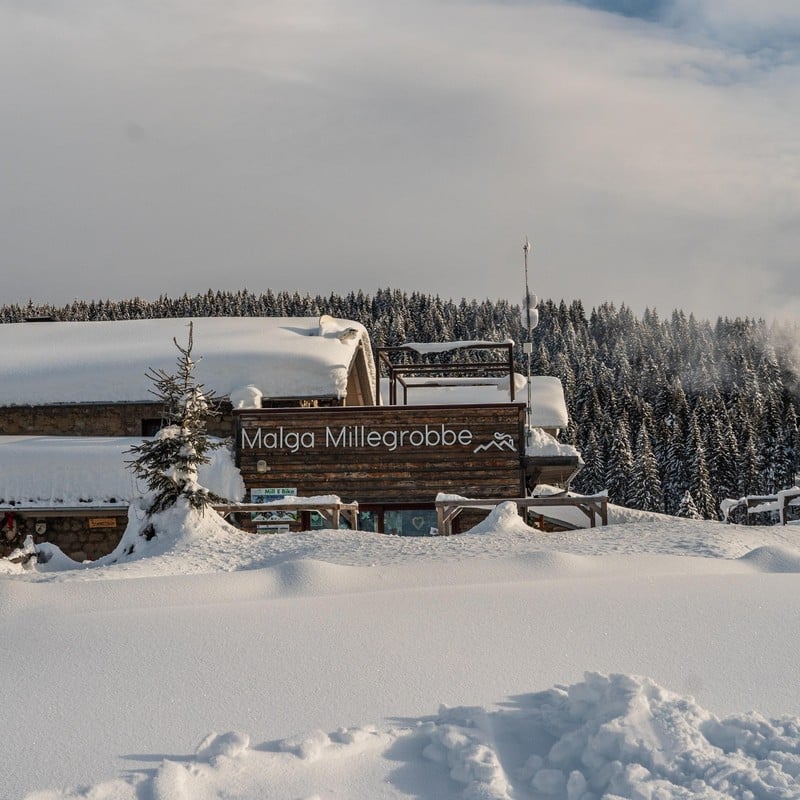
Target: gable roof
x=83, y=362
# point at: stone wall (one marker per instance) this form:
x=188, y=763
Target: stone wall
x=93, y=419
x=72, y=534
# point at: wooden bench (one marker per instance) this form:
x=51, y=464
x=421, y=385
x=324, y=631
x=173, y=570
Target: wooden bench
x=331, y=512
x=447, y=509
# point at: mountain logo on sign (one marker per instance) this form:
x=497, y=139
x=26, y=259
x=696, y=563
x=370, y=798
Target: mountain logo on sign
x=501, y=441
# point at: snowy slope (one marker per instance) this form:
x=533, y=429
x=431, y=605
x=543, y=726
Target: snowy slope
x=220, y=665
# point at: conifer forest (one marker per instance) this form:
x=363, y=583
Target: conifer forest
x=658, y=406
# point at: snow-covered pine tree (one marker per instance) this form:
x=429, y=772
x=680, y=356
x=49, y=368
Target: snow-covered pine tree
x=619, y=463
x=646, y=491
x=698, y=470
x=590, y=479
x=792, y=443
x=723, y=453
x=687, y=509
x=749, y=478
x=168, y=463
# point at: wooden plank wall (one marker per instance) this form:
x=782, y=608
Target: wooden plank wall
x=379, y=474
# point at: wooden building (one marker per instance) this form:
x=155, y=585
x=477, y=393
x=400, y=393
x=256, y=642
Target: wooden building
x=74, y=396
x=301, y=402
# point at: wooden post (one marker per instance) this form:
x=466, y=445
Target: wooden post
x=440, y=520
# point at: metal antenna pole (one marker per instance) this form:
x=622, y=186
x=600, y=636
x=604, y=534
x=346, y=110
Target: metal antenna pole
x=528, y=346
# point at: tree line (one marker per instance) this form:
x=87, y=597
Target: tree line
x=658, y=407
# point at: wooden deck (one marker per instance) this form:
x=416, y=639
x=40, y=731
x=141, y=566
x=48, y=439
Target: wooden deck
x=594, y=506
x=332, y=513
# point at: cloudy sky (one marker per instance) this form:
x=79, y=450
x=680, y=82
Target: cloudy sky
x=649, y=148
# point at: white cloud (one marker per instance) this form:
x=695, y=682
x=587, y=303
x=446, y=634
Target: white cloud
x=173, y=146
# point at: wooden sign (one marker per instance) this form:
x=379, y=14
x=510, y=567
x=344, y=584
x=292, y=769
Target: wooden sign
x=102, y=522
x=386, y=454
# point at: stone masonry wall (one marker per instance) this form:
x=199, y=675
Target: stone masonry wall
x=72, y=535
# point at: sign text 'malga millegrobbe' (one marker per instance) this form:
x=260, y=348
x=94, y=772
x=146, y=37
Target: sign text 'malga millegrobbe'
x=355, y=436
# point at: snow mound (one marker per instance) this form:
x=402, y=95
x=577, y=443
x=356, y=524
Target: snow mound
x=773, y=558
x=541, y=443
x=504, y=519
x=609, y=736
x=228, y=745
x=306, y=576
x=246, y=397
x=554, y=564
x=176, y=531
x=307, y=748
x=615, y=736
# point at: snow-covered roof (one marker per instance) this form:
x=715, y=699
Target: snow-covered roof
x=65, y=471
x=543, y=444
x=547, y=394
x=74, y=362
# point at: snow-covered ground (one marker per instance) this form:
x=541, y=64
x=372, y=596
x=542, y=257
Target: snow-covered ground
x=503, y=663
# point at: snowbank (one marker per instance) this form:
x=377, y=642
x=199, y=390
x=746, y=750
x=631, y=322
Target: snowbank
x=615, y=736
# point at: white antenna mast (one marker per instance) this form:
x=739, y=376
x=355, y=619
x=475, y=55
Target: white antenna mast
x=532, y=320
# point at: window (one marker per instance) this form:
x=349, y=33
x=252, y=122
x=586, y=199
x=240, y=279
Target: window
x=151, y=426
x=410, y=521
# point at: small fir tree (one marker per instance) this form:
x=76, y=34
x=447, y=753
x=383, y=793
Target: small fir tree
x=687, y=509
x=168, y=463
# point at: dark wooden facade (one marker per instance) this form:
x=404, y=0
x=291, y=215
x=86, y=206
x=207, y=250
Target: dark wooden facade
x=385, y=456
x=97, y=419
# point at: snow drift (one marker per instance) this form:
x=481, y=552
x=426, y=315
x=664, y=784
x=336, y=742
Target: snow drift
x=609, y=736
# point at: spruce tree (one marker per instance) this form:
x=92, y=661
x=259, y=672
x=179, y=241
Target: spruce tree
x=646, y=491
x=698, y=471
x=168, y=463
x=749, y=479
x=687, y=509
x=619, y=465
x=792, y=445
x=591, y=477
